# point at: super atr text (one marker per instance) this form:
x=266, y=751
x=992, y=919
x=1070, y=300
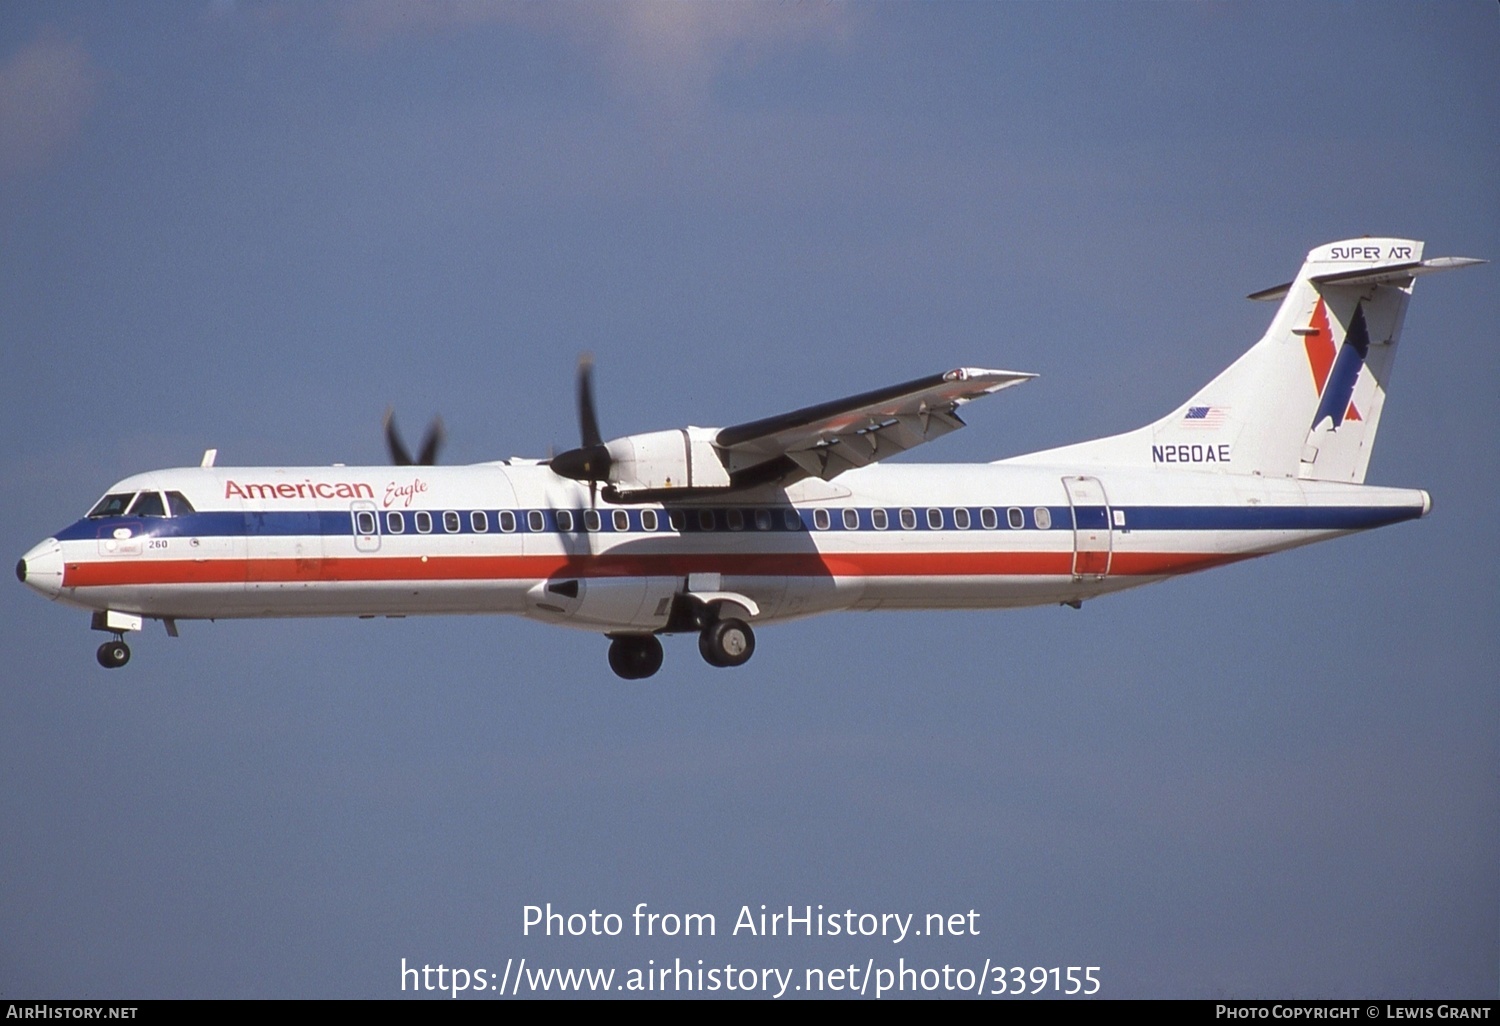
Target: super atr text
x=756, y=921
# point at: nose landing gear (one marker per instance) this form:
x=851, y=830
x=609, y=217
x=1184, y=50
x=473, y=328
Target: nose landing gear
x=115, y=654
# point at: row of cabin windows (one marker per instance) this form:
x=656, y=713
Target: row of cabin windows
x=479, y=521
x=704, y=520
x=961, y=518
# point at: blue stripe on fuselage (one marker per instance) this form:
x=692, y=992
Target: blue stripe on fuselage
x=1136, y=518
x=1265, y=518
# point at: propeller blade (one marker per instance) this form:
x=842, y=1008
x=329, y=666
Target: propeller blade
x=400, y=455
x=588, y=421
x=591, y=461
x=432, y=443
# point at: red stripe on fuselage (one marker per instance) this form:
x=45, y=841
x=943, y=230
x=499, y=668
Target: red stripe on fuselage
x=500, y=568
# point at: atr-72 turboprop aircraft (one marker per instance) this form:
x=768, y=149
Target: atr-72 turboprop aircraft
x=711, y=530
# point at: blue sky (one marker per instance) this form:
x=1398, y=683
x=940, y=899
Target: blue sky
x=254, y=226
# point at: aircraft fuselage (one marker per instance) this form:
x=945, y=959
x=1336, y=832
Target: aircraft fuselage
x=495, y=538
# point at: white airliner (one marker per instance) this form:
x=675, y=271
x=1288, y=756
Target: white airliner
x=712, y=530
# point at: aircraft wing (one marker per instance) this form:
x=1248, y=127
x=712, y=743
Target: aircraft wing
x=827, y=439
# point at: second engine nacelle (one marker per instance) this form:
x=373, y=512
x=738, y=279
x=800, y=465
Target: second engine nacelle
x=611, y=603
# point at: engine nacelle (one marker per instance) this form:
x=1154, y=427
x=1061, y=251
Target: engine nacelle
x=611, y=603
x=684, y=458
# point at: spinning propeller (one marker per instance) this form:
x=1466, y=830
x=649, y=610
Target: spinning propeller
x=401, y=455
x=590, y=461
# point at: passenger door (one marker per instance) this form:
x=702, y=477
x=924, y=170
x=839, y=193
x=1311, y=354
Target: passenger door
x=1093, y=535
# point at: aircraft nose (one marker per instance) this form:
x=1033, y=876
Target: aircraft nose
x=42, y=568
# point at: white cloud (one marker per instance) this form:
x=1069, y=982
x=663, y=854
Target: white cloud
x=46, y=90
x=671, y=48
x=682, y=45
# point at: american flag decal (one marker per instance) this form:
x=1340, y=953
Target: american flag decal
x=1204, y=416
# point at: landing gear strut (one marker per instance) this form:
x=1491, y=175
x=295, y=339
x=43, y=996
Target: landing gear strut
x=728, y=642
x=632, y=656
x=114, y=654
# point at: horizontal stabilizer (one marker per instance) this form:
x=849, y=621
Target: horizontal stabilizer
x=1391, y=274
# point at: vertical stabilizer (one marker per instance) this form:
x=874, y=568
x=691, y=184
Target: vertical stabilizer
x=1305, y=401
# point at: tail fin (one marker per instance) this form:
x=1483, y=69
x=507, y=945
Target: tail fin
x=1306, y=400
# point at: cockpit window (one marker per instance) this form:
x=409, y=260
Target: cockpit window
x=113, y=505
x=178, y=504
x=148, y=504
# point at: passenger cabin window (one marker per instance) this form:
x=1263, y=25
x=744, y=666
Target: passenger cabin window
x=591, y=520
x=961, y=519
x=535, y=521
x=479, y=520
x=820, y=519
x=935, y=519
x=395, y=523
x=735, y=519
x=1015, y=518
x=677, y=518
x=989, y=519
x=451, y=523
x=112, y=505
x=178, y=504
x=1043, y=517
x=148, y=504
x=622, y=520
x=851, y=519
x=507, y=521
x=908, y=520
x=762, y=520
x=792, y=519
x=424, y=522
x=364, y=522
x=648, y=520
x=879, y=519
x=706, y=519
x=564, y=520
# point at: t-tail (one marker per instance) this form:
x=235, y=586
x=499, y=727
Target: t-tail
x=1305, y=401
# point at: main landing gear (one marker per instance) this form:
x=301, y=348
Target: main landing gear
x=728, y=642
x=114, y=654
x=634, y=656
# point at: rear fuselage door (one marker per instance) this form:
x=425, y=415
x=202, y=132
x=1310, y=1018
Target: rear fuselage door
x=1092, y=534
